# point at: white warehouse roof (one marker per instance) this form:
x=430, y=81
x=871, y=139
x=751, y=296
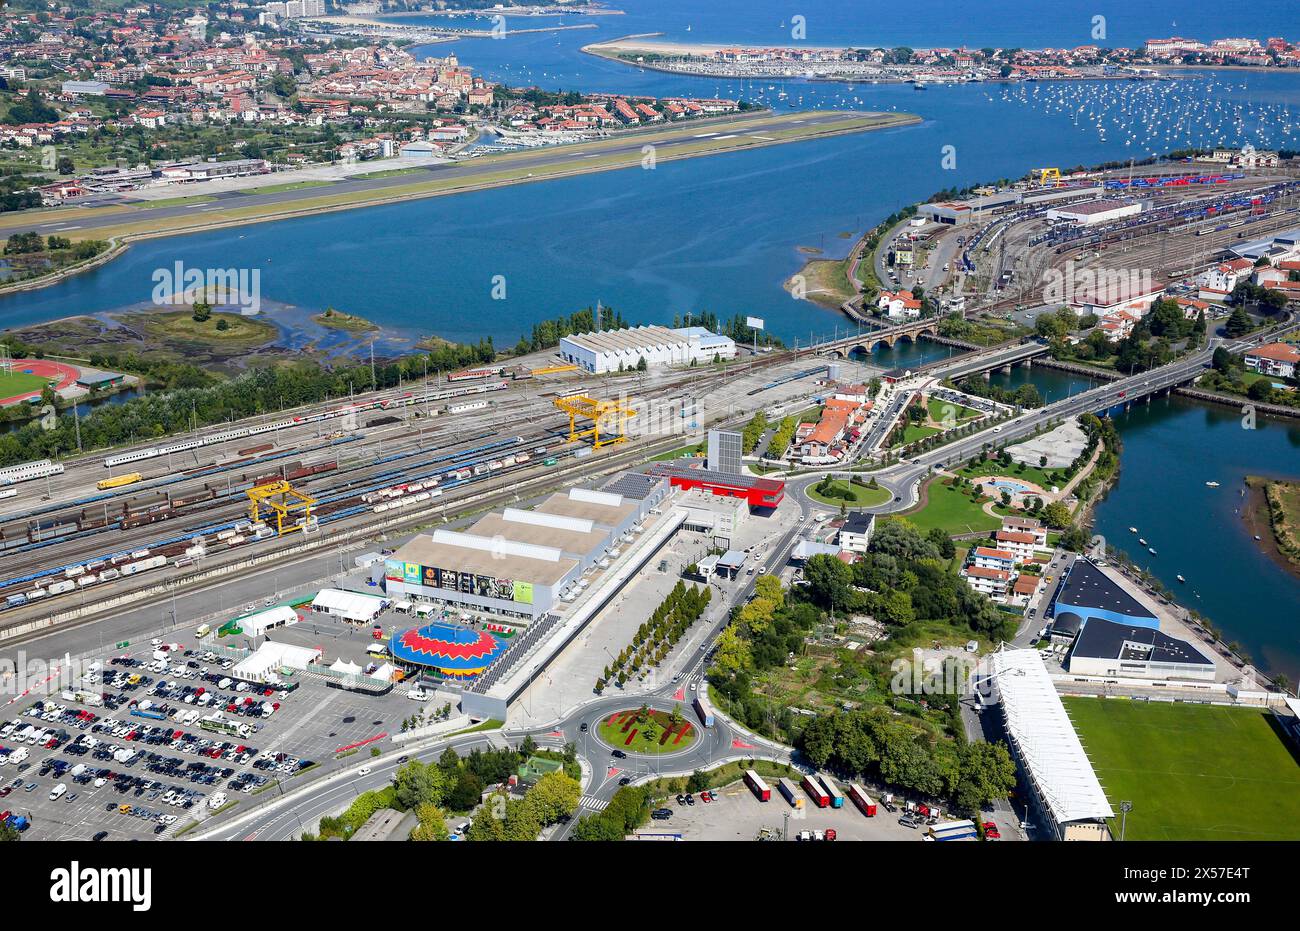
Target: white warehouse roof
x=1044, y=738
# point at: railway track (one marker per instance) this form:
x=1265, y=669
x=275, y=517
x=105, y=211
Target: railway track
x=125, y=533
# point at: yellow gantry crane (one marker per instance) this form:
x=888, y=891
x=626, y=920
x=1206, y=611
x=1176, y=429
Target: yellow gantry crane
x=614, y=414
x=1048, y=176
x=284, y=501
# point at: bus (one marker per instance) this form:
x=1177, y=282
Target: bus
x=837, y=797
x=757, y=785
x=129, y=479
x=815, y=791
x=862, y=800
x=788, y=790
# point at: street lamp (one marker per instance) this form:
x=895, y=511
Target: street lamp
x=1124, y=809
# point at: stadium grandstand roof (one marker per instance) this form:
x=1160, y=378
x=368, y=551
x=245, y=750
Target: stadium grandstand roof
x=1044, y=738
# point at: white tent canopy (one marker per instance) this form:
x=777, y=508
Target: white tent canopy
x=270, y=656
x=345, y=667
x=1045, y=739
x=352, y=606
x=257, y=624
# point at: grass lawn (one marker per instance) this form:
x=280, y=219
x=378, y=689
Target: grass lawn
x=941, y=410
x=1192, y=772
x=852, y=495
x=385, y=173
x=20, y=383
x=916, y=431
x=679, y=452
x=615, y=731
x=287, y=186
x=951, y=511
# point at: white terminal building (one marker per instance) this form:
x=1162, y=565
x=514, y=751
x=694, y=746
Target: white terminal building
x=1092, y=212
x=660, y=347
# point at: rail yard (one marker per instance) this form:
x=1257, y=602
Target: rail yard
x=393, y=458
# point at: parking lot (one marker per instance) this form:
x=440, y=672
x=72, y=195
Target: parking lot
x=138, y=747
x=736, y=814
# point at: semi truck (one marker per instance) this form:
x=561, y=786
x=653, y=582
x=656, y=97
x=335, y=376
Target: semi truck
x=703, y=710
x=756, y=785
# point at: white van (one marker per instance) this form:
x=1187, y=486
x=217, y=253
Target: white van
x=58, y=792
x=418, y=695
x=203, y=631
x=224, y=684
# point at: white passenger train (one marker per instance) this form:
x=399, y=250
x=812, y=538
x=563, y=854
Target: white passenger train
x=28, y=471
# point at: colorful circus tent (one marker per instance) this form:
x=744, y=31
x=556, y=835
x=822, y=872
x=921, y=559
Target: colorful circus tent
x=446, y=649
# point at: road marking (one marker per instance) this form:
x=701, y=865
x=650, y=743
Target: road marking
x=595, y=804
x=730, y=136
x=704, y=135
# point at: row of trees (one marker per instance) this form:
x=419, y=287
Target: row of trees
x=200, y=401
x=1026, y=395
x=656, y=637
x=554, y=796
x=548, y=333
x=873, y=744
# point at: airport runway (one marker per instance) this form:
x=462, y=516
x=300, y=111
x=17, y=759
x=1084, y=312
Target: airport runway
x=669, y=141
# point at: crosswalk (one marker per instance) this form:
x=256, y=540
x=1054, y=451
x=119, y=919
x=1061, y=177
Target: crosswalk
x=593, y=803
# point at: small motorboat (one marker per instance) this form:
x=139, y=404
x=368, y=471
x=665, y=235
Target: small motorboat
x=1132, y=530
x=1180, y=578
x=1142, y=541
x=1151, y=550
x=1211, y=484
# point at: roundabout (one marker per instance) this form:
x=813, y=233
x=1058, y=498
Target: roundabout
x=647, y=731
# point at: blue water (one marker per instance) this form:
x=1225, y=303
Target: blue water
x=722, y=233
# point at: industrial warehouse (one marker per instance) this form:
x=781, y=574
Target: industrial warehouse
x=656, y=346
x=520, y=563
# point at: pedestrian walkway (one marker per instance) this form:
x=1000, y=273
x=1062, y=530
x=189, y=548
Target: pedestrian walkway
x=592, y=803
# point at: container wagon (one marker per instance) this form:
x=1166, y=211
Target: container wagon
x=757, y=786
x=129, y=479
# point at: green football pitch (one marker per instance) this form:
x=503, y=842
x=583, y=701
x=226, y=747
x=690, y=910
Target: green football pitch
x=16, y=383
x=1192, y=772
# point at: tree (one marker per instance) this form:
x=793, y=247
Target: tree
x=432, y=826
x=986, y=772
x=202, y=311
x=1239, y=323
x=552, y=797
x=1223, y=361
x=1260, y=390
x=828, y=581
x=1056, y=515
x=419, y=784
x=466, y=793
